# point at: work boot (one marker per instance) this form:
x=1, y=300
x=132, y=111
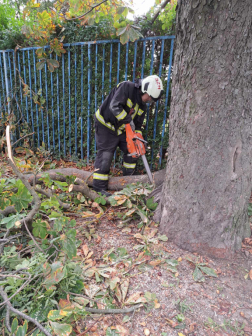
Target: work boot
x=102, y=191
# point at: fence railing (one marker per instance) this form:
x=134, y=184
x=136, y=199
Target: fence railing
x=74, y=91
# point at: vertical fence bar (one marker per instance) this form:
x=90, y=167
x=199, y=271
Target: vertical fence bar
x=110, y=66
x=143, y=59
x=96, y=53
x=75, y=100
x=148, y=106
x=58, y=110
x=103, y=66
x=1, y=91
x=126, y=61
x=52, y=100
x=41, y=110
x=26, y=99
x=81, y=102
x=3, y=83
x=31, y=103
x=166, y=99
x=64, y=106
x=118, y=62
x=157, y=103
x=89, y=102
x=20, y=84
x=6, y=81
x=35, y=84
x=47, y=112
x=134, y=65
x=69, y=100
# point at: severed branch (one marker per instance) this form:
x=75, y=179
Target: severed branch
x=24, y=316
x=36, y=199
x=49, y=194
x=84, y=189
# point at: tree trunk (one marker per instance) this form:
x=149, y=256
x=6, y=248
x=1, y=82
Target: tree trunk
x=208, y=175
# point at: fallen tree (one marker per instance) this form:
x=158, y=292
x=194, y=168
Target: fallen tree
x=115, y=183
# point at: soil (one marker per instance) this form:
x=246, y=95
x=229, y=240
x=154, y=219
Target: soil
x=216, y=307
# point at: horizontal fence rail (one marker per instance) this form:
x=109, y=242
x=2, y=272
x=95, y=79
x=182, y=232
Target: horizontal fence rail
x=75, y=90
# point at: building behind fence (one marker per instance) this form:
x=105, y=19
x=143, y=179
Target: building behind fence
x=74, y=91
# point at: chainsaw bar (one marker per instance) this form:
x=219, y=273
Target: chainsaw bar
x=147, y=168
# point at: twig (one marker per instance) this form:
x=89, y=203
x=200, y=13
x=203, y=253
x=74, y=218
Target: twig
x=113, y=311
x=90, y=175
x=31, y=236
x=49, y=194
x=17, y=312
x=25, y=136
x=132, y=318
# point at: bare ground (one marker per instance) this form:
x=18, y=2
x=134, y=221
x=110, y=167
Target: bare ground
x=226, y=300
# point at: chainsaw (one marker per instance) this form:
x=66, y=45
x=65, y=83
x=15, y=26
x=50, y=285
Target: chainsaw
x=136, y=148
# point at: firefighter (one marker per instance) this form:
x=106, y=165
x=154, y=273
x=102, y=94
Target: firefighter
x=125, y=104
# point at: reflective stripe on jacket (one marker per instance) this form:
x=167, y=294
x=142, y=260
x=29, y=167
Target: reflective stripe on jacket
x=117, y=105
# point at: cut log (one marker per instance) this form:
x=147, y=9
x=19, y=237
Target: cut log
x=115, y=183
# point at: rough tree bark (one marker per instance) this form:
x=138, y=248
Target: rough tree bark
x=208, y=175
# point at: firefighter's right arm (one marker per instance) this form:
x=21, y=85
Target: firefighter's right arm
x=118, y=102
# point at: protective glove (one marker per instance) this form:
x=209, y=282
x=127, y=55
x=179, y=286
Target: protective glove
x=127, y=119
x=132, y=125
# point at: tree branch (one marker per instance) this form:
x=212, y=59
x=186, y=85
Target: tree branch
x=17, y=312
x=158, y=12
x=49, y=193
x=81, y=16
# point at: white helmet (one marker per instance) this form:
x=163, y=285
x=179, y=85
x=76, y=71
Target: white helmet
x=153, y=86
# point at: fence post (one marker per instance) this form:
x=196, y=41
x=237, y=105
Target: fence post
x=6, y=81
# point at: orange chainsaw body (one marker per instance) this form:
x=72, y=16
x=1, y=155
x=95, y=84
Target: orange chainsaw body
x=136, y=147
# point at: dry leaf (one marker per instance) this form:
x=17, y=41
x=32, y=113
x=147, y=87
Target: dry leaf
x=136, y=298
x=155, y=262
x=89, y=255
x=171, y=323
x=156, y=304
x=122, y=331
x=124, y=288
x=143, y=324
x=146, y=332
x=85, y=250
x=179, y=259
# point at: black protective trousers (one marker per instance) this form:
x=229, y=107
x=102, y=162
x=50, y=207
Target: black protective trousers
x=106, y=144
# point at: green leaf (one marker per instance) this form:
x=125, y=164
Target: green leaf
x=61, y=329
x=91, y=21
x=100, y=200
x=150, y=204
x=121, y=30
x=10, y=221
x=124, y=38
x=111, y=332
x=163, y=238
x=134, y=34
x=208, y=271
x=22, y=198
x=120, y=10
x=172, y=262
x=40, y=65
x=198, y=275
x=21, y=331
x=14, y=325
x=55, y=315
x=40, y=229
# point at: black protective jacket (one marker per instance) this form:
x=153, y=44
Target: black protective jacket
x=114, y=111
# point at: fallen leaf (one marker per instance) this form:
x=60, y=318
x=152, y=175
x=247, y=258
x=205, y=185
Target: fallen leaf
x=123, y=331
x=135, y=298
x=171, y=323
x=146, y=332
x=156, y=304
x=180, y=334
x=179, y=259
x=155, y=262
x=143, y=324
x=85, y=250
